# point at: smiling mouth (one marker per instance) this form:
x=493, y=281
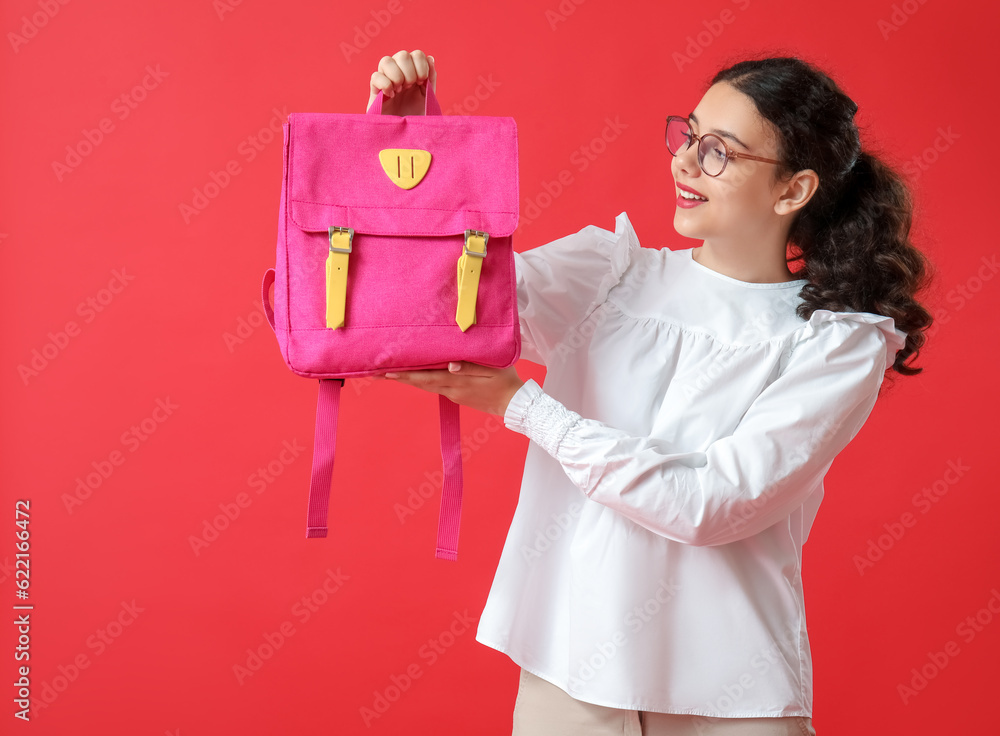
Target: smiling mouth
x=689, y=197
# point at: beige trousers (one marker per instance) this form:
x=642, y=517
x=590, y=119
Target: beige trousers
x=543, y=709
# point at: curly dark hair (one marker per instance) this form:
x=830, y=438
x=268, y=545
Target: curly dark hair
x=853, y=236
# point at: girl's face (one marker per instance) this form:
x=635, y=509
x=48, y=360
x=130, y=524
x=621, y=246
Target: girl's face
x=741, y=200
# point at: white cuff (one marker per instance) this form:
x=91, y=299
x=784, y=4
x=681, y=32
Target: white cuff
x=539, y=417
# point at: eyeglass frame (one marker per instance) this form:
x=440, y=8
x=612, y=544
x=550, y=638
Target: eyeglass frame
x=730, y=153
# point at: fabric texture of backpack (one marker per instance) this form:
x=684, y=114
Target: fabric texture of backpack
x=394, y=252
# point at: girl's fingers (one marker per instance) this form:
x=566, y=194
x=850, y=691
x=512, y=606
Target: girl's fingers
x=446, y=376
x=381, y=83
x=422, y=378
x=402, y=69
x=389, y=66
x=405, y=64
x=389, y=77
x=397, y=74
x=438, y=377
x=424, y=67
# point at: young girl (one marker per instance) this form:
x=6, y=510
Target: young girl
x=693, y=402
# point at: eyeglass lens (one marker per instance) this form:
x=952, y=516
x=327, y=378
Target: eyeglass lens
x=711, y=149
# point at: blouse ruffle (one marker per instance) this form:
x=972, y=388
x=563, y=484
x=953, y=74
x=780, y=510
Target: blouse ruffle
x=623, y=247
x=895, y=338
x=560, y=283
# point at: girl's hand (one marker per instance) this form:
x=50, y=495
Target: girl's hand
x=401, y=78
x=470, y=384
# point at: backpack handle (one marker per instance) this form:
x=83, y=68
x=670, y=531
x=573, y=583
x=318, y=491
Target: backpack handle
x=431, y=105
x=265, y=296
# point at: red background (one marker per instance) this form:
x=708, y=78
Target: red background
x=561, y=70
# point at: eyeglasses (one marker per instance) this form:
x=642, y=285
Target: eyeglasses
x=713, y=153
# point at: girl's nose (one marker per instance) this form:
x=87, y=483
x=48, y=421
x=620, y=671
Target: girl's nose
x=687, y=160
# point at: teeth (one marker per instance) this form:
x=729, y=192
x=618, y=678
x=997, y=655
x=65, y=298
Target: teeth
x=688, y=195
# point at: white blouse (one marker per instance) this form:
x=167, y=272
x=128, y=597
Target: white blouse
x=676, y=464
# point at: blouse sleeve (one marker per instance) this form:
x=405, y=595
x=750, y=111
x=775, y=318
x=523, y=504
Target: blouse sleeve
x=743, y=483
x=560, y=283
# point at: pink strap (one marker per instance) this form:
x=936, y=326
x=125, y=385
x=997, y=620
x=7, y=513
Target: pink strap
x=324, y=450
x=265, y=288
x=431, y=104
x=451, y=489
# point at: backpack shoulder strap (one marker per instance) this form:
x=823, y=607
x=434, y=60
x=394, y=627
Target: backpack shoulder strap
x=451, y=488
x=324, y=450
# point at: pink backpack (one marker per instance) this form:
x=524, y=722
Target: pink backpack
x=394, y=253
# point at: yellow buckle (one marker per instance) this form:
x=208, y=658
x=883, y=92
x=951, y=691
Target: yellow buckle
x=485, y=237
x=336, y=276
x=468, y=278
x=350, y=238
